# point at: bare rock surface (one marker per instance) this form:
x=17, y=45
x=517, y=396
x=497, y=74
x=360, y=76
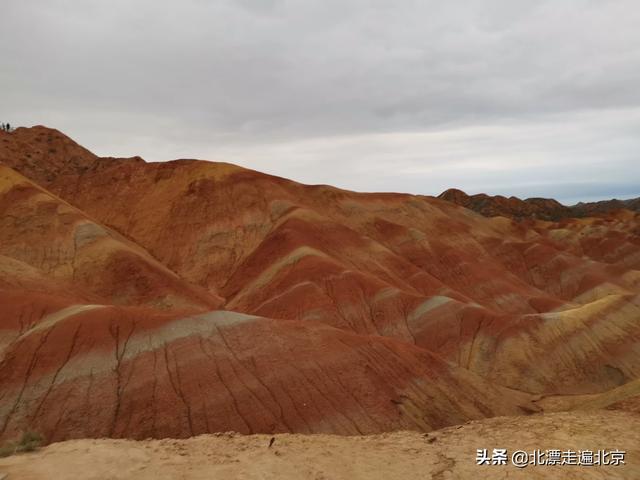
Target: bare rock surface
x=188, y=297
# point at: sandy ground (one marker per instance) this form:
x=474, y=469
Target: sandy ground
x=443, y=454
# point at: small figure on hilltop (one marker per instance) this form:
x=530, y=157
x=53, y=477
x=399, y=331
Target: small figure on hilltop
x=6, y=127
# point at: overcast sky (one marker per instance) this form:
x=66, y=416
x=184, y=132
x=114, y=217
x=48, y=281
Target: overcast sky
x=530, y=98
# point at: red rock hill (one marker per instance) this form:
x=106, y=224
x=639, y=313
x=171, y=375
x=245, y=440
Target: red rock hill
x=171, y=299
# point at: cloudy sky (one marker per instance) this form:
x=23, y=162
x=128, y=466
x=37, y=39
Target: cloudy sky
x=531, y=98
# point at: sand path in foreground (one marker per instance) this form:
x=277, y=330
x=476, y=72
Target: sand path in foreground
x=443, y=454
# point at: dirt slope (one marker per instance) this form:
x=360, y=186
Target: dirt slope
x=48, y=234
x=444, y=454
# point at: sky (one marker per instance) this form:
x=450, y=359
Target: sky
x=512, y=97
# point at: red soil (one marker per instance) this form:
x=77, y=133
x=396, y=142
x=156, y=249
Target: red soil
x=373, y=312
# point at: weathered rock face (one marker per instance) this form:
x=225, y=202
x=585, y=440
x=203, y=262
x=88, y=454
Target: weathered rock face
x=170, y=299
x=97, y=370
x=43, y=154
x=58, y=240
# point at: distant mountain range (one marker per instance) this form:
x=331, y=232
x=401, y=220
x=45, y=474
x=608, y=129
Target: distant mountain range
x=540, y=208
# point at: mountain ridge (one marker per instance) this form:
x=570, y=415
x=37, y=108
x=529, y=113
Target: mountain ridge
x=221, y=298
x=534, y=207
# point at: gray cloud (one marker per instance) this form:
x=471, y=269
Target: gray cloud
x=511, y=96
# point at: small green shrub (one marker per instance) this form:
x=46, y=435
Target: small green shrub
x=7, y=449
x=29, y=442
